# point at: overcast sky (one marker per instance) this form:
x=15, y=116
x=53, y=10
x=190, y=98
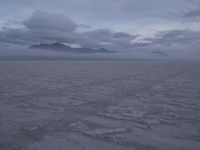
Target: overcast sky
x=130, y=26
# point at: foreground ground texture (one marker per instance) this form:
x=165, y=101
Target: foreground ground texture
x=100, y=105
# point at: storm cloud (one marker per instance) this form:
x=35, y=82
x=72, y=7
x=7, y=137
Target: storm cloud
x=124, y=26
x=49, y=27
x=47, y=21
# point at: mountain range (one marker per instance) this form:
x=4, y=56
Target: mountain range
x=64, y=48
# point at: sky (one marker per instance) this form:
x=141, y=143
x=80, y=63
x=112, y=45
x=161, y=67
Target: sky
x=133, y=27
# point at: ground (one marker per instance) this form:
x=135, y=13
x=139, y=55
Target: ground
x=100, y=105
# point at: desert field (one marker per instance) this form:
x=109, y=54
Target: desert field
x=99, y=105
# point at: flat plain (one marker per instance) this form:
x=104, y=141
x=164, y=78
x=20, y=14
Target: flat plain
x=100, y=105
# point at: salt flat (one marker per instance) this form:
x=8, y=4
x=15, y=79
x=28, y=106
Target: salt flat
x=100, y=105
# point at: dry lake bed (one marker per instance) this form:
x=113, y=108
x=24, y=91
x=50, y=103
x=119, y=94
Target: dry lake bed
x=100, y=105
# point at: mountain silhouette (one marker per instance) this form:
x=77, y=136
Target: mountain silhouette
x=64, y=48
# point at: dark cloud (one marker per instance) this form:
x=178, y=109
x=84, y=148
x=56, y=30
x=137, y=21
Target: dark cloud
x=123, y=35
x=40, y=27
x=47, y=21
x=48, y=27
x=108, y=39
x=122, y=25
x=101, y=35
x=192, y=16
x=175, y=37
x=16, y=36
x=51, y=27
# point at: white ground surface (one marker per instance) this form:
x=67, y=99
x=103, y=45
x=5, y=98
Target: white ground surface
x=99, y=105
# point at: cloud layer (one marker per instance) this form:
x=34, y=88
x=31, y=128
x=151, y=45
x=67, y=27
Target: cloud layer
x=48, y=27
x=125, y=26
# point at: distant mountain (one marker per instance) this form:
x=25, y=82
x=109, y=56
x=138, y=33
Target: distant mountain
x=61, y=47
x=160, y=53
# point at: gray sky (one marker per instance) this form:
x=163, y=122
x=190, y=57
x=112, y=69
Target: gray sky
x=128, y=26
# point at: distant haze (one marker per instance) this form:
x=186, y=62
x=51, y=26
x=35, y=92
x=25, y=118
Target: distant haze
x=133, y=28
